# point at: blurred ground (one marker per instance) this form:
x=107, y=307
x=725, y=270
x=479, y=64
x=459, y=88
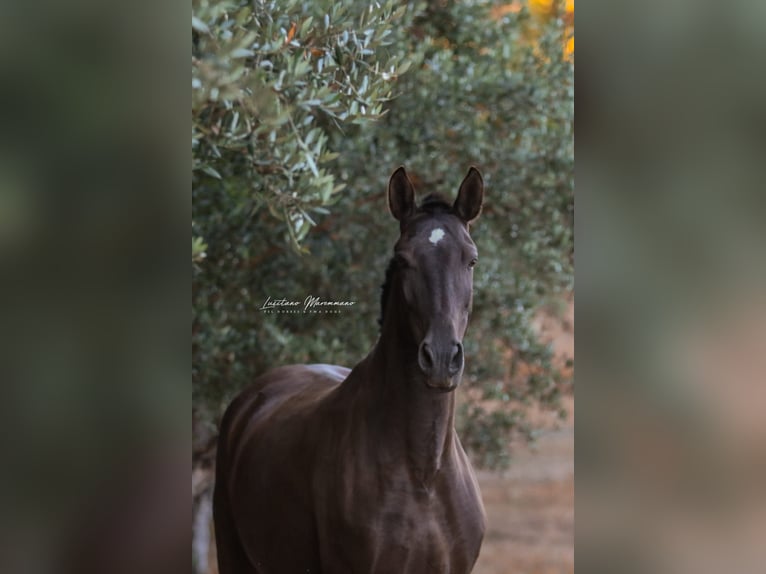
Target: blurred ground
x=530, y=508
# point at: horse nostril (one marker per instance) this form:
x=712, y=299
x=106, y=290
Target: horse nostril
x=456, y=363
x=426, y=358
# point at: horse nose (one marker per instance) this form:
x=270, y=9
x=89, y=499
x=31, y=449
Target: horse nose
x=434, y=362
x=456, y=362
x=426, y=358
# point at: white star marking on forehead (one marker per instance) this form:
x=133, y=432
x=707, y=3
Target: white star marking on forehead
x=436, y=235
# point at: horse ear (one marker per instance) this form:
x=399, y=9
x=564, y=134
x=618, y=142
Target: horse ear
x=469, y=199
x=401, y=195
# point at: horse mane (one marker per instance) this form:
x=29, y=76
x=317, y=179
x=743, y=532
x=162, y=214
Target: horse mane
x=385, y=288
x=432, y=203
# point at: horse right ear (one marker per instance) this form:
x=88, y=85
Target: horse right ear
x=470, y=196
x=401, y=195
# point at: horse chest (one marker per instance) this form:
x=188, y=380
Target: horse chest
x=402, y=529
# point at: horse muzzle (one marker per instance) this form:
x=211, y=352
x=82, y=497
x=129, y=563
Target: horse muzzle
x=446, y=387
x=442, y=365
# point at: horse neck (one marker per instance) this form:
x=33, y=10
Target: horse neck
x=414, y=421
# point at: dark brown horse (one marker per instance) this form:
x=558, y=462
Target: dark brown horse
x=322, y=469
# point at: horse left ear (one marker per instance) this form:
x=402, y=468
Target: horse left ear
x=470, y=196
x=401, y=195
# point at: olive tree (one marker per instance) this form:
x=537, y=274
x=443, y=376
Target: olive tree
x=301, y=112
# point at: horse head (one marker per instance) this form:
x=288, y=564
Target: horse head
x=431, y=275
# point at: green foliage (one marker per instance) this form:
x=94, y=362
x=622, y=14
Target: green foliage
x=268, y=81
x=476, y=91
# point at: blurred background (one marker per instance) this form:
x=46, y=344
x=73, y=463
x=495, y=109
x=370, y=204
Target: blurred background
x=301, y=111
x=671, y=275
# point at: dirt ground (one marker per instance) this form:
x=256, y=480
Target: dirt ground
x=530, y=509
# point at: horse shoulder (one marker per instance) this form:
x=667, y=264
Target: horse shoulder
x=277, y=428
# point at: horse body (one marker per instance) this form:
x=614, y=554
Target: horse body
x=327, y=470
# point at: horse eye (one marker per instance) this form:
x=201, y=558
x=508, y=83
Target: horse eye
x=473, y=262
